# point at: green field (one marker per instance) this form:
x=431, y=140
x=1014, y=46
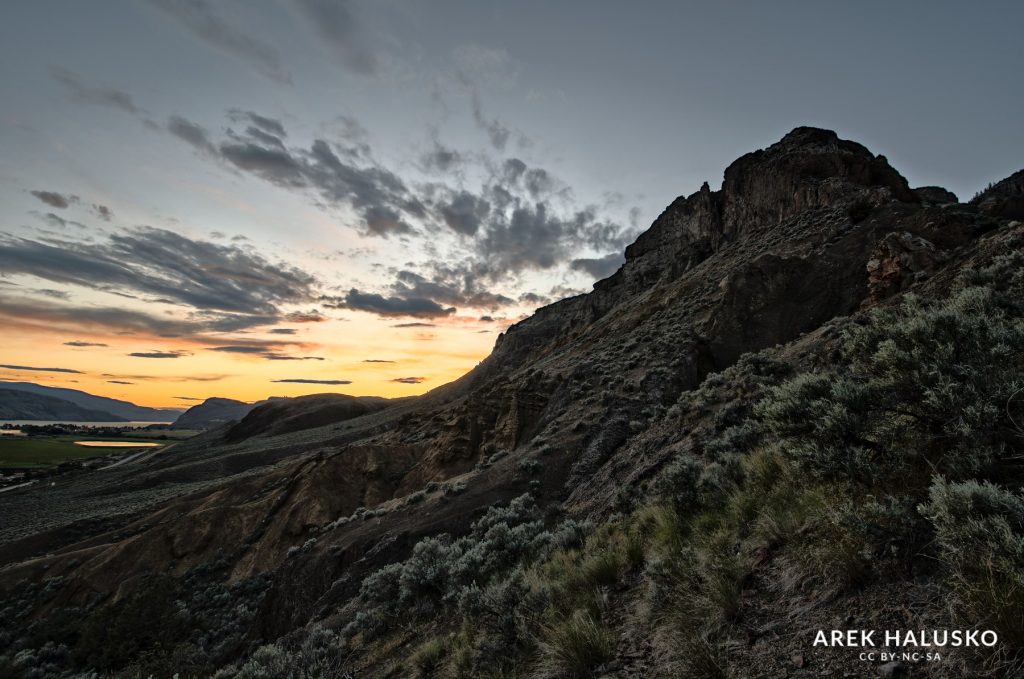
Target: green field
x=38, y=451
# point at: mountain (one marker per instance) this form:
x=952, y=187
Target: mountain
x=212, y=412
x=122, y=410
x=22, y=405
x=795, y=407
x=285, y=415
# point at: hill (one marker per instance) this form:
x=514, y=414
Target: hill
x=795, y=407
x=122, y=410
x=23, y=405
x=213, y=412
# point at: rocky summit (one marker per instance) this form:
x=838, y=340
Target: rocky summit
x=789, y=410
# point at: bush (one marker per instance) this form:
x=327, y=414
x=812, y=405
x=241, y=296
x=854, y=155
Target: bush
x=980, y=531
x=575, y=646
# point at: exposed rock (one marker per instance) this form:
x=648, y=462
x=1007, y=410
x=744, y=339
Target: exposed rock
x=935, y=195
x=1004, y=199
x=213, y=412
x=899, y=260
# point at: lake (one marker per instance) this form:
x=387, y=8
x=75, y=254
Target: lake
x=43, y=423
x=116, y=444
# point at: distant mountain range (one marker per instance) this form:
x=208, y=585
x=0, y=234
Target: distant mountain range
x=24, y=405
x=73, y=405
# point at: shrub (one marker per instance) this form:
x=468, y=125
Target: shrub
x=980, y=530
x=575, y=646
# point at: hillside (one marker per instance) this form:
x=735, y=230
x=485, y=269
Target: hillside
x=795, y=407
x=23, y=405
x=213, y=412
x=122, y=410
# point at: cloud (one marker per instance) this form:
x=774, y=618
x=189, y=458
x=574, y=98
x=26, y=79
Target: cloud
x=158, y=354
x=188, y=398
x=199, y=18
x=103, y=212
x=306, y=381
x=409, y=380
x=228, y=286
x=119, y=382
x=56, y=221
x=283, y=331
x=395, y=306
x=495, y=129
x=54, y=199
x=376, y=360
x=101, y=96
x=378, y=196
x=414, y=325
x=600, y=267
x=190, y=132
x=272, y=356
x=337, y=27
x=243, y=349
x=267, y=125
x=170, y=378
x=465, y=212
x=440, y=158
x=42, y=370
x=312, y=316
x=79, y=343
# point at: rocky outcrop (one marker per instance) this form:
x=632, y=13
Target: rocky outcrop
x=935, y=195
x=898, y=261
x=1004, y=199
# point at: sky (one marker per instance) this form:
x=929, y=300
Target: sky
x=272, y=198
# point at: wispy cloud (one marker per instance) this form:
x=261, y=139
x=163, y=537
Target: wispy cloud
x=409, y=380
x=298, y=380
x=42, y=370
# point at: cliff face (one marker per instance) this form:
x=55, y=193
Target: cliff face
x=800, y=234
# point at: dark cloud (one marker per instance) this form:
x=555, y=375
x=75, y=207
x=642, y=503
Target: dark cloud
x=201, y=20
x=101, y=96
x=283, y=331
x=495, y=129
x=56, y=221
x=272, y=356
x=336, y=25
x=599, y=267
x=380, y=198
x=487, y=319
x=464, y=213
x=103, y=212
x=227, y=286
x=187, y=398
x=441, y=159
x=268, y=125
x=119, y=382
x=395, y=306
x=190, y=132
x=54, y=199
x=414, y=325
x=306, y=381
x=170, y=378
x=42, y=370
x=158, y=354
x=409, y=380
x=376, y=360
x=79, y=343
x=312, y=316
x=243, y=349
x=450, y=285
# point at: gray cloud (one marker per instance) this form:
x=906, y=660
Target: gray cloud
x=101, y=96
x=409, y=380
x=496, y=131
x=200, y=19
x=271, y=126
x=42, y=370
x=414, y=325
x=187, y=398
x=600, y=267
x=54, y=199
x=228, y=286
x=79, y=343
x=158, y=354
x=395, y=306
x=376, y=360
x=306, y=381
x=335, y=24
x=190, y=132
x=465, y=212
x=119, y=382
x=283, y=331
x=242, y=349
x=103, y=212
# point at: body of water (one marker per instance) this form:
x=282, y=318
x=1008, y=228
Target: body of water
x=116, y=444
x=43, y=423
